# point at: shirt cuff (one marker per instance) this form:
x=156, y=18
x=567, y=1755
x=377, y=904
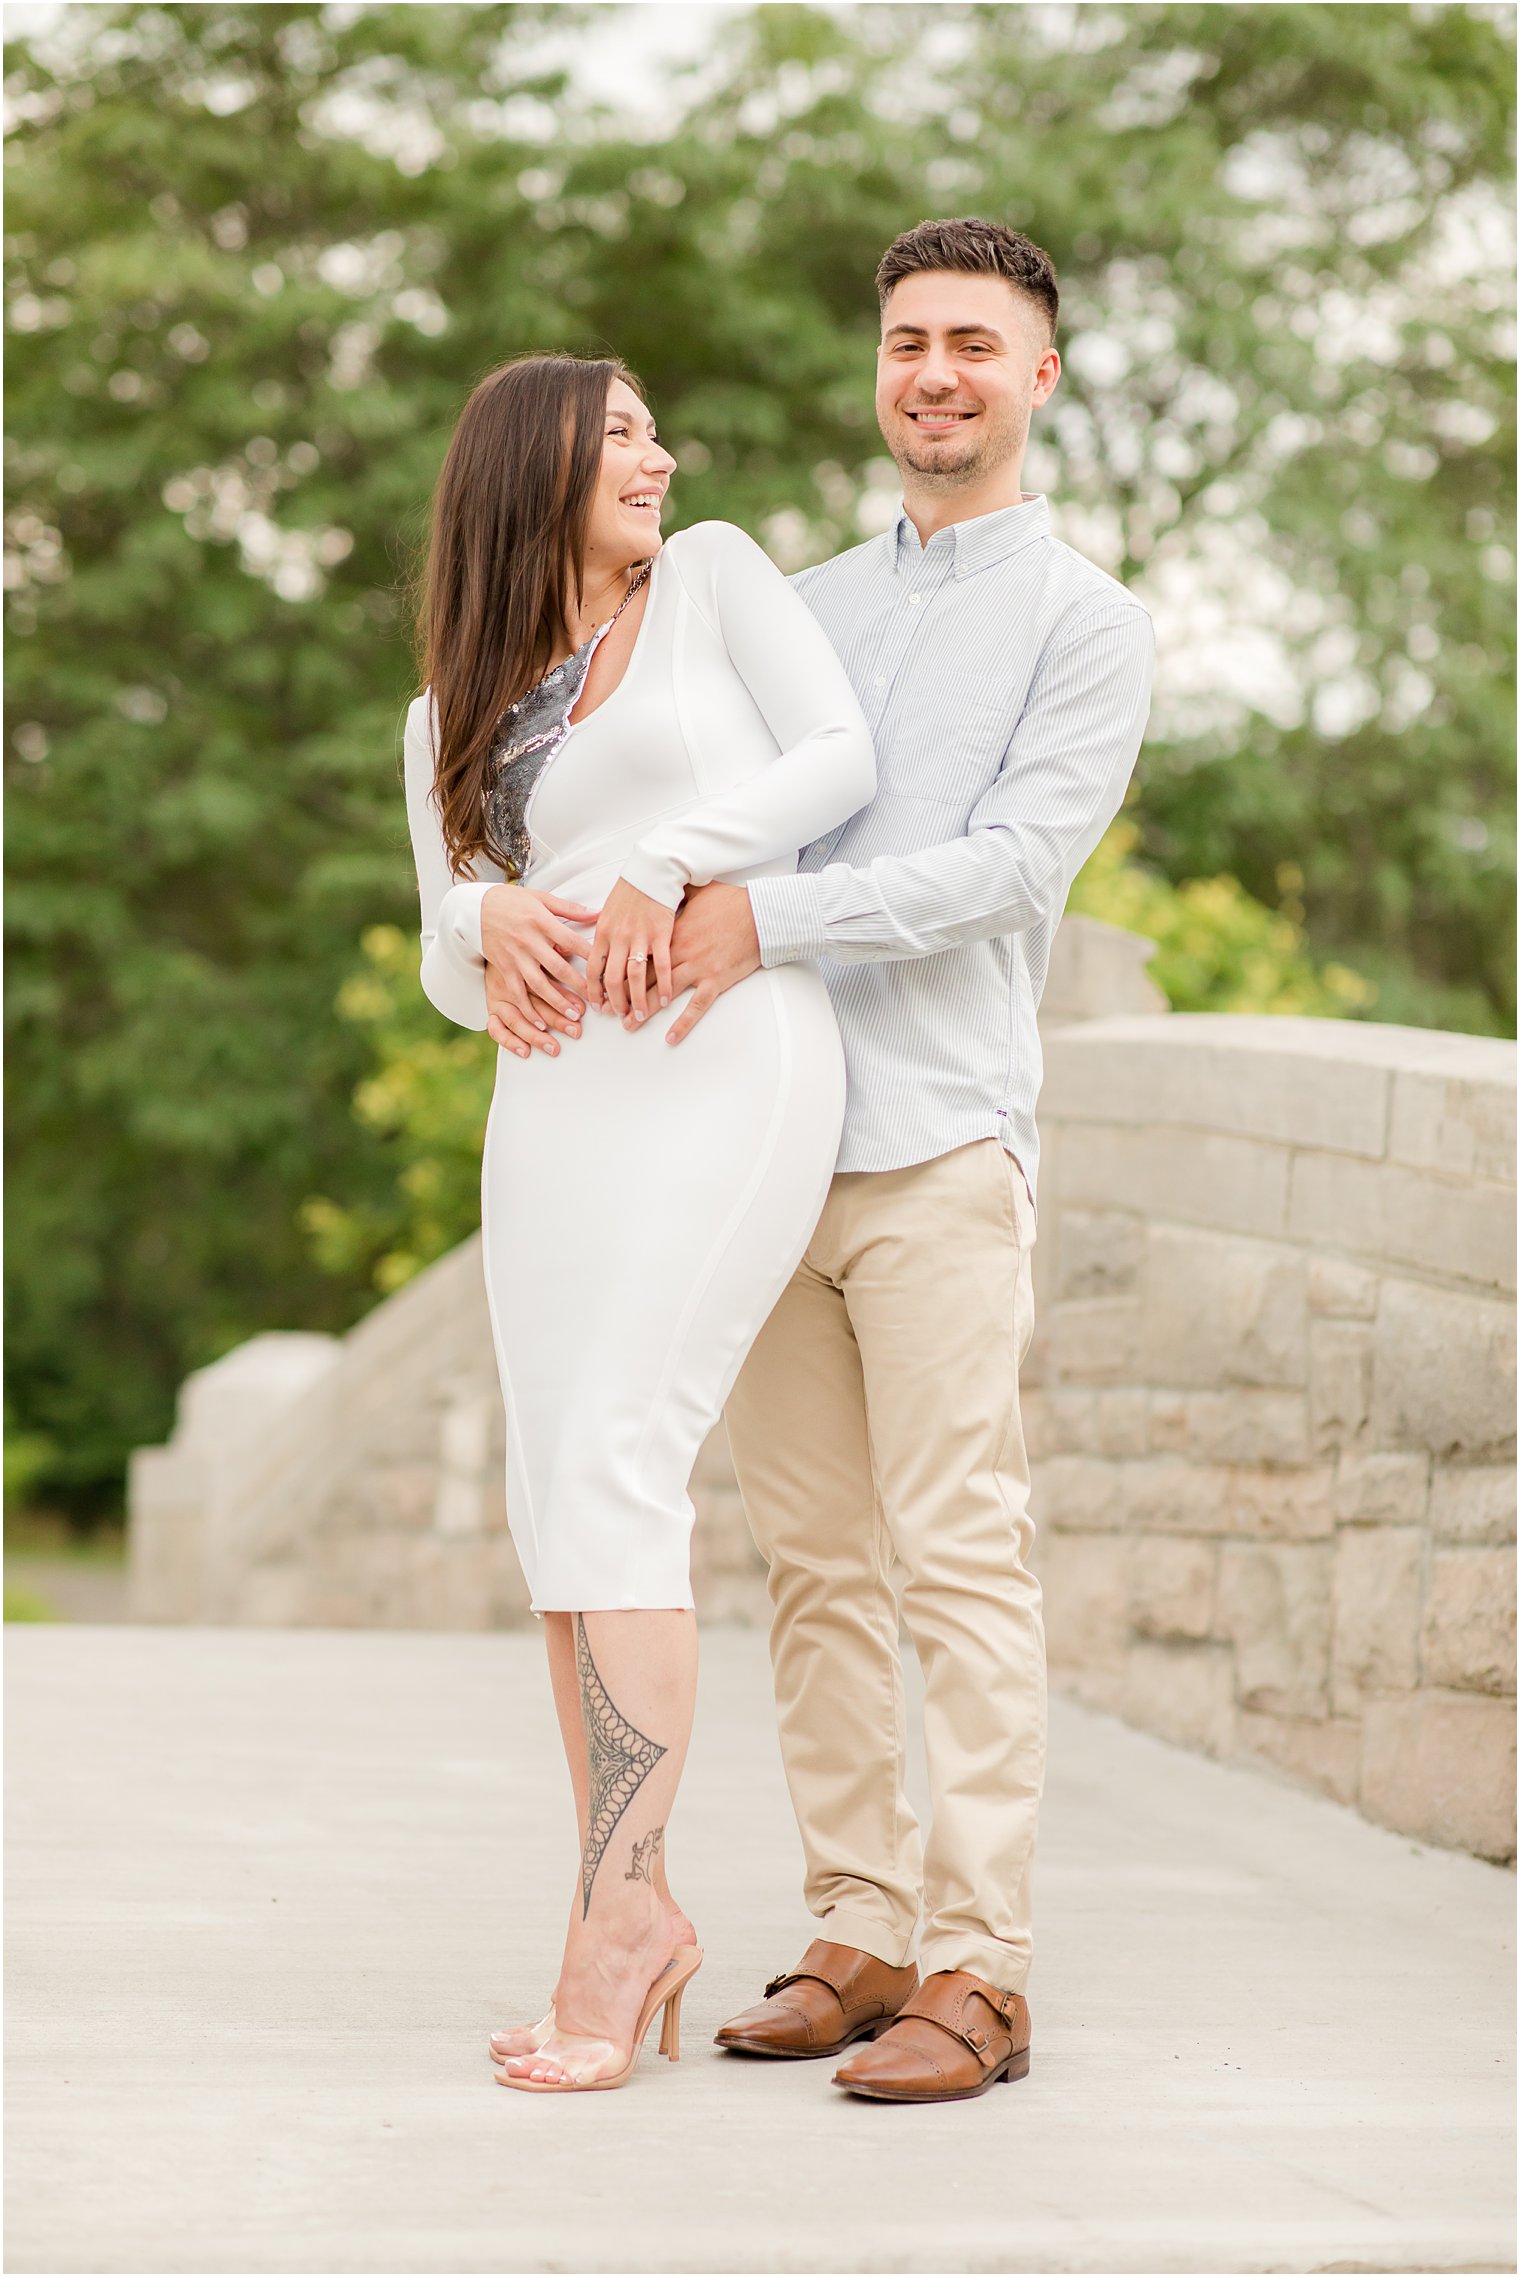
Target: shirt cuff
x=459, y=917
x=655, y=875
x=789, y=921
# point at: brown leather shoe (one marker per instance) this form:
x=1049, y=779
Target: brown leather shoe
x=950, y=2041
x=833, y=1996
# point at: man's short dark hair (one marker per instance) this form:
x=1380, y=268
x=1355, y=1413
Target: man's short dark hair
x=974, y=249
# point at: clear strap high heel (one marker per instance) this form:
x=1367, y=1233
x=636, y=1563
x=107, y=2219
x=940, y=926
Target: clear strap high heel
x=532, y=2037
x=592, y=2063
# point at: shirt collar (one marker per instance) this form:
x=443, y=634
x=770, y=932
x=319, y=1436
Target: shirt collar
x=978, y=543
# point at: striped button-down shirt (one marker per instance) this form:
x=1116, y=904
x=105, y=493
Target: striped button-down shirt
x=1006, y=682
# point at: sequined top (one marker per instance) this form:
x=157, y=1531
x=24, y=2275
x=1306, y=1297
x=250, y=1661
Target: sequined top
x=528, y=734
x=527, y=737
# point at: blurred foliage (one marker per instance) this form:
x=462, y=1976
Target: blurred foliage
x=29, y=1458
x=426, y=1100
x=26, y=1605
x=1217, y=949
x=259, y=253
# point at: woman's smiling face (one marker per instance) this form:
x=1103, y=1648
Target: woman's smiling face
x=636, y=468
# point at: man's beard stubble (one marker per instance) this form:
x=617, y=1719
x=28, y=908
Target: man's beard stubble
x=938, y=471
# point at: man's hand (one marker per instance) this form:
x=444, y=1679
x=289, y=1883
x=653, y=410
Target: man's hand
x=632, y=933
x=714, y=945
x=530, y=942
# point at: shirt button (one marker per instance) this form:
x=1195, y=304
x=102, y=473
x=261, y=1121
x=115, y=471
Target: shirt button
x=881, y=679
x=915, y=598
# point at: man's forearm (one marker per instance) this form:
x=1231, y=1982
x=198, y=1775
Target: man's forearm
x=1068, y=763
x=995, y=881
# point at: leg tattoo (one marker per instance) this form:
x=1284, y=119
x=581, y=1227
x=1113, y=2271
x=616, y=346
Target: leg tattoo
x=646, y=1854
x=620, y=1760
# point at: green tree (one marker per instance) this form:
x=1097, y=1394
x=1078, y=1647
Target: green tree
x=259, y=253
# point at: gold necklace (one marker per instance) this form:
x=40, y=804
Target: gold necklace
x=641, y=578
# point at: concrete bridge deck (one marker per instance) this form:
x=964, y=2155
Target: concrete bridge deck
x=269, y=1889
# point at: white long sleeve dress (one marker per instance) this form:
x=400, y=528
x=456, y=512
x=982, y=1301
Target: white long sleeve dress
x=643, y=1207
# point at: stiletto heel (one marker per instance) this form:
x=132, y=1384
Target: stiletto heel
x=665, y=1993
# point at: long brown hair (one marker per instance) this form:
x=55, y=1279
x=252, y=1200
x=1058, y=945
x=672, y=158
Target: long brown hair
x=507, y=542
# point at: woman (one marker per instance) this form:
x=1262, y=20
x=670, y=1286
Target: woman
x=608, y=721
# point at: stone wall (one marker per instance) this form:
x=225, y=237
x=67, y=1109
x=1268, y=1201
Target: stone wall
x=1270, y=1407
x=1271, y=1402
x=358, y=1482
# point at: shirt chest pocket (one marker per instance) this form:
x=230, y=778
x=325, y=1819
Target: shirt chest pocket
x=945, y=742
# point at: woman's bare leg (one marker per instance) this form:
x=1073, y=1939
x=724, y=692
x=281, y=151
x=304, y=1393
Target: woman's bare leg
x=635, y=1691
x=559, y=1640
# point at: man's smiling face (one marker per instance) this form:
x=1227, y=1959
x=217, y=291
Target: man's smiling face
x=963, y=362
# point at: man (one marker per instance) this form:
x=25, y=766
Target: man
x=875, y=1425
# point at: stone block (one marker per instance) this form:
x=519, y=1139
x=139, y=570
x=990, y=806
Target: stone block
x=1171, y=1587
x=1381, y=1490
x=1085, y=1587
x=1100, y=1253
x=1476, y=1505
x=401, y=1494
x=1273, y=1604
x=1443, y=1372
x=1169, y=1423
x=285, y=1596
x=1222, y=1310
x=1059, y=1421
x=738, y=1597
x=1325, y=1755
x=1096, y=1341
x=1243, y=1426
x=1169, y=1496
x=1341, y=1291
x=714, y=1465
x=1047, y=1247
x=1459, y=1228
x=1378, y=1572
x=1077, y=1494
x=1036, y=1365
x=1096, y=971
x=721, y=1541
x=454, y=1587
x=167, y=1494
x=467, y=1465
x=1340, y=1382
x=1192, y=1177
x=1035, y=1421
x=1123, y=1422
x=1272, y=1505
x=1281, y=1079
x=1182, y=1692
x=1100, y=1688
x=1467, y=1641
x=240, y=1396
x=1441, y=1766
x=1464, y=1125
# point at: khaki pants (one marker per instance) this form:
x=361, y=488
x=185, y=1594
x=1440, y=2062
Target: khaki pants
x=876, y=1434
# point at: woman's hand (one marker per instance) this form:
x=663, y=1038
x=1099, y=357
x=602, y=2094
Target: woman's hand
x=632, y=930
x=529, y=939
